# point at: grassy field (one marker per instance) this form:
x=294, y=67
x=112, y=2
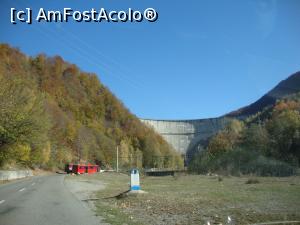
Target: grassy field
x=195, y=199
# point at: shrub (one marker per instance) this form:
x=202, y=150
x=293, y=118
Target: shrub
x=239, y=161
x=252, y=181
x=263, y=166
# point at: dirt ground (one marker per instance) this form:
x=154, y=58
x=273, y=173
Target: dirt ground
x=84, y=187
x=192, y=199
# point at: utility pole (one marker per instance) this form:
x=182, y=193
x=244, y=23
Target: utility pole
x=78, y=153
x=117, y=158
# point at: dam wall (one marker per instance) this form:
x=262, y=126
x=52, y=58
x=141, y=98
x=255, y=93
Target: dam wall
x=187, y=136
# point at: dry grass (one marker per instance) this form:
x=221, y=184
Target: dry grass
x=193, y=199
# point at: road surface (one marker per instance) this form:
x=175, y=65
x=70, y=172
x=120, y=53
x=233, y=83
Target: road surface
x=42, y=200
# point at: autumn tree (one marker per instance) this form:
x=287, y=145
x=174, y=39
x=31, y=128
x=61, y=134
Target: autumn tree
x=23, y=122
x=284, y=129
x=226, y=139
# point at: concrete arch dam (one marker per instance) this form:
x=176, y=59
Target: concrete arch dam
x=187, y=136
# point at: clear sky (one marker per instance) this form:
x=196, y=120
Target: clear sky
x=200, y=59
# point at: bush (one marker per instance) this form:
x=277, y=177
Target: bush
x=228, y=162
x=263, y=166
x=239, y=161
x=252, y=181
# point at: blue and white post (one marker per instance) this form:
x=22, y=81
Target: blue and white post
x=135, y=180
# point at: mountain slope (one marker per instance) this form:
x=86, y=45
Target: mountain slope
x=291, y=85
x=85, y=121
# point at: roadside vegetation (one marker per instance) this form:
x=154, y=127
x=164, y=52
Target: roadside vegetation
x=52, y=113
x=266, y=144
x=197, y=199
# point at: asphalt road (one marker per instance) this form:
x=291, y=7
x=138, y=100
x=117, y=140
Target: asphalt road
x=42, y=200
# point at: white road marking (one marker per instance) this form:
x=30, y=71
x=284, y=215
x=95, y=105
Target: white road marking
x=33, y=184
x=22, y=189
x=2, y=201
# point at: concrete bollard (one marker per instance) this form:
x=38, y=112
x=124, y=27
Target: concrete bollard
x=135, y=180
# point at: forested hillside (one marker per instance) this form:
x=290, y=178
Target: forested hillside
x=266, y=143
x=52, y=113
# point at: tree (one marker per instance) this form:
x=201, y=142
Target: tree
x=226, y=139
x=23, y=121
x=284, y=129
x=256, y=138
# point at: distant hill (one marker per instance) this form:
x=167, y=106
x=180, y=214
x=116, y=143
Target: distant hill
x=289, y=86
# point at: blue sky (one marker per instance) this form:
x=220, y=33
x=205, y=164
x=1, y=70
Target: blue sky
x=200, y=59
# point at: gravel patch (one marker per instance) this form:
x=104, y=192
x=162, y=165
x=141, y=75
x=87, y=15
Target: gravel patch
x=84, y=188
